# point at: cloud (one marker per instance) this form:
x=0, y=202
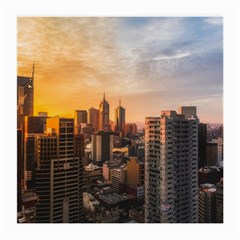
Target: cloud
x=215, y=20
x=79, y=58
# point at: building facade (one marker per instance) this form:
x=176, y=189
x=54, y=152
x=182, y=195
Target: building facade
x=120, y=119
x=219, y=201
x=135, y=171
x=33, y=125
x=25, y=98
x=102, y=146
x=93, y=118
x=171, y=168
x=104, y=115
x=207, y=203
x=59, y=173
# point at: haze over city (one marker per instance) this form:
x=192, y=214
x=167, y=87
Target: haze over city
x=152, y=63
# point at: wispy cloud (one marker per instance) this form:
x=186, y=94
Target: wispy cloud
x=79, y=58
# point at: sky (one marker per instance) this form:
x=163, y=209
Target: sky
x=151, y=63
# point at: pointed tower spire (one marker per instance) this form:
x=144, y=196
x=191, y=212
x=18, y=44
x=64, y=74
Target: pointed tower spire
x=119, y=102
x=33, y=71
x=104, y=96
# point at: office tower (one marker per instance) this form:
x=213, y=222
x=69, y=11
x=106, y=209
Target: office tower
x=220, y=152
x=135, y=171
x=130, y=130
x=93, y=118
x=171, y=168
x=33, y=126
x=80, y=117
x=106, y=171
x=102, y=145
x=188, y=111
x=207, y=203
x=219, y=201
x=25, y=98
x=104, y=115
x=202, y=144
x=221, y=131
x=59, y=173
x=20, y=169
x=212, y=153
x=120, y=118
x=118, y=175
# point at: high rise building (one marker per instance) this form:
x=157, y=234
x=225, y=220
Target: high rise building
x=202, y=144
x=212, y=153
x=118, y=175
x=25, y=107
x=219, y=201
x=130, y=130
x=25, y=98
x=220, y=152
x=135, y=171
x=93, y=118
x=33, y=126
x=188, y=111
x=120, y=118
x=102, y=145
x=171, y=168
x=207, y=203
x=104, y=115
x=20, y=169
x=80, y=117
x=59, y=173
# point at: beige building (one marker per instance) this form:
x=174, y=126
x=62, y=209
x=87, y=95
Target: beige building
x=135, y=171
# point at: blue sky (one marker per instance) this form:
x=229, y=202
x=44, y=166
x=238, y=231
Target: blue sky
x=152, y=63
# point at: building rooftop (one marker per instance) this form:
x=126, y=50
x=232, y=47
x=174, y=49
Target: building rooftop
x=22, y=81
x=112, y=198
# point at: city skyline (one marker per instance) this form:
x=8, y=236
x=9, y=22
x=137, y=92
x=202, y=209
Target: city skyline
x=156, y=63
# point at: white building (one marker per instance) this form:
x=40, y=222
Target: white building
x=118, y=175
x=171, y=168
x=89, y=202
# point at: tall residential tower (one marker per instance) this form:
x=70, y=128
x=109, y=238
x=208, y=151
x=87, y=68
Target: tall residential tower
x=171, y=168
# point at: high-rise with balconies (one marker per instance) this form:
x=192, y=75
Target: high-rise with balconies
x=171, y=168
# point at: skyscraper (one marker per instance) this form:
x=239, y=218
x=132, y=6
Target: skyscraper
x=80, y=117
x=202, y=144
x=207, y=203
x=25, y=98
x=120, y=118
x=171, y=168
x=219, y=201
x=104, y=115
x=102, y=145
x=59, y=173
x=33, y=125
x=93, y=118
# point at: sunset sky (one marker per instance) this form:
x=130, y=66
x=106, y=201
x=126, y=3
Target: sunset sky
x=152, y=63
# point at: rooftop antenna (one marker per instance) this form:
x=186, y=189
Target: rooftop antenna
x=33, y=71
